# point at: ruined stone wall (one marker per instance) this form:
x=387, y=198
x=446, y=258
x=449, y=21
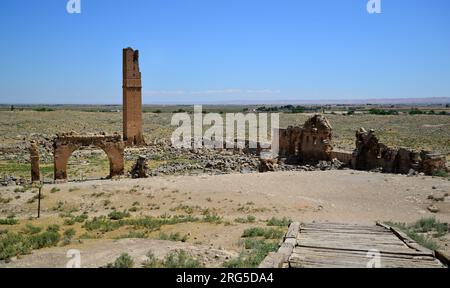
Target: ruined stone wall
x=432, y=163
x=370, y=154
x=132, y=99
x=289, y=143
x=315, y=144
x=310, y=143
x=64, y=145
x=34, y=160
x=343, y=156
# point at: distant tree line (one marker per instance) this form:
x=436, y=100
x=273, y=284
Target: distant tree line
x=396, y=112
x=288, y=109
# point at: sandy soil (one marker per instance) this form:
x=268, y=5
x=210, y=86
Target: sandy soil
x=339, y=196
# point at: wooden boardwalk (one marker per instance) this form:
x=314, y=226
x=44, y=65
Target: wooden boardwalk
x=333, y=245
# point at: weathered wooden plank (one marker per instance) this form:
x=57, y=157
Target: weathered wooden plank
x=338, y=229
x=331, y=245
x=405, y=239
x=358, y=259
x=287, y=248
x=342, y=231
x=273, y=260
x=381, y=248
x=320, y=251
x=367, y=241
x=330, y=264
x=350, y=238
x=293, y=230
x=327, y=235
x=444, y=258
x=337, y=225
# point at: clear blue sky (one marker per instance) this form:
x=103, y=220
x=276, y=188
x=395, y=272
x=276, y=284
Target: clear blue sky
x=224, y=50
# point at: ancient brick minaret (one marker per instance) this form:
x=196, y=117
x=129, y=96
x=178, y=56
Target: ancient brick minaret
x=132, y=99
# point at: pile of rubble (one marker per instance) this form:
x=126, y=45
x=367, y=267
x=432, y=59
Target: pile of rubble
x=8, y=180
x=210, y=161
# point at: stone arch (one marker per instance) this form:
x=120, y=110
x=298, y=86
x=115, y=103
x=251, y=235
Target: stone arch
x=65, y=145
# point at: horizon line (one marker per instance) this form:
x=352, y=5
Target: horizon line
x=413, y=100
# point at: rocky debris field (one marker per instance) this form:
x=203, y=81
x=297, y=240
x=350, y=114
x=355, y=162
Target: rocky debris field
x=162, y=159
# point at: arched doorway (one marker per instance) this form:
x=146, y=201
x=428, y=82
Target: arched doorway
x=65, y=145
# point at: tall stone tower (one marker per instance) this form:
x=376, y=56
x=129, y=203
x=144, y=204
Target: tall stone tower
x=132, y=99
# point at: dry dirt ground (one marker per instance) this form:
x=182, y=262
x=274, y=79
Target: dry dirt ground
x=338, y=196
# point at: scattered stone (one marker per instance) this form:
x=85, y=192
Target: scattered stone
x=140, y=169
x=268, y=165
x=433, y=209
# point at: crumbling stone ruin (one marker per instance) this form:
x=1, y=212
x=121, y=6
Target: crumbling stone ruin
x=310, y=143
x=34, y=160
x=64, y=145
x=268, y=165
x=140, y=168
x=370, y=154
x=432, y=163
x=132, y=99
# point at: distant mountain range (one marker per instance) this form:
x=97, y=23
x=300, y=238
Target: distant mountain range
x=385, y=101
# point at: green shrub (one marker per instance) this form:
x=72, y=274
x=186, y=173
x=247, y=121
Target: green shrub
x=116, y=215
x=31, y=230
x=175, y=259
x=45, y=239
x=251, y=259
x=416, y=112
x=133, y=234
x=279, y=222
x=12, y=245
x=173, y=237
x=124, y=261
x=249, y=219
x=212, y=218
x=382, y=112
x=425, y=225
x=15, y=244
x=152, y=261
x=268, y=233
x=68, y=235
x=54, y=190
x=44, y=109
x=441, y=173
x=53, y=228
x=104, y=224
x=69, y=222
x=8, y=221
x=417, y=231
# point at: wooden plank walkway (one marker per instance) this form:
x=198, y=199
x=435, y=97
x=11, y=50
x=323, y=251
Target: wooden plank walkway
x=334, y=245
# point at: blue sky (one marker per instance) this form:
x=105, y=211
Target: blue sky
x=206, y=51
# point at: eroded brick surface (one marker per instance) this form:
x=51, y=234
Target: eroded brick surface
x=132, y=99
x=64, y=145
